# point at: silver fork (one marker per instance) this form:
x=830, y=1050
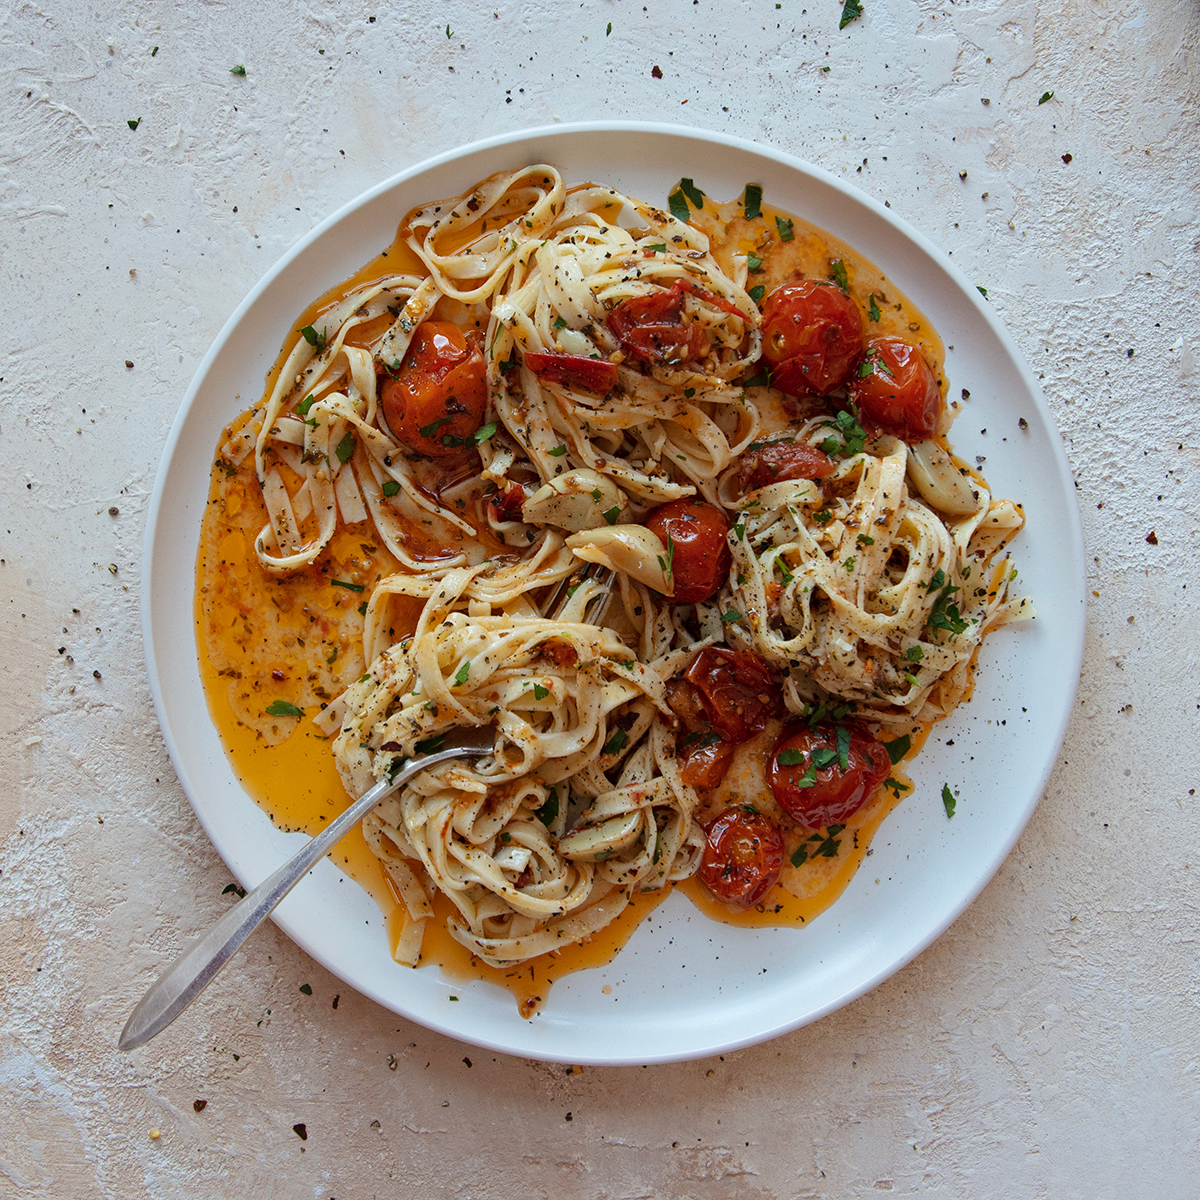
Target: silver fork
x=199, y=964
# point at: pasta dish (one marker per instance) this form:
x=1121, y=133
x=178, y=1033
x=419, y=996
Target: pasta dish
x=662, y=496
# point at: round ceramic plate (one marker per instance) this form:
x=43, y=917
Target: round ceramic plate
x=684, y=986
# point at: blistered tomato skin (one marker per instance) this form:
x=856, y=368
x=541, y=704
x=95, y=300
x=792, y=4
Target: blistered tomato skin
x=700, y=559
x=438, y=398
x=896, y=391
x=737, y=690
x=742, y=857
x=779, y=461
x=816, y=796
x=812, y=337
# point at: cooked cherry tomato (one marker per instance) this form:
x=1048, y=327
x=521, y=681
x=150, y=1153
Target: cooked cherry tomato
x=438, y=398
x=777, y=461
x=812, y=336
x=737, y=690
x=742, y=857
x=807, y=777
x=704, y=763
x=895, y=389
x=700, y=556
x=593, y=374
x=506, y=505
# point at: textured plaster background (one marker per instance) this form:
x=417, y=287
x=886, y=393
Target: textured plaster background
x=1045, y=1046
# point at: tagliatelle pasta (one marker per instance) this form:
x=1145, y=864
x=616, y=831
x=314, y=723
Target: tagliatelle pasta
x=642, y=495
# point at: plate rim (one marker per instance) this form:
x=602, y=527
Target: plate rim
x=1073, y=531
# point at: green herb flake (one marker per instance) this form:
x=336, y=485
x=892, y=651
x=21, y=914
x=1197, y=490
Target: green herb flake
x=874, y=312
x=612, y=514
x=350, y=587
x=305, y=404
x=428, y=431
x=345, y=449
x=1046, y=96
x=786, y=232
x=823, y=757
x=616, y=743
x=692, y=192
x=789, y=758
x=549, y=811
x=895, y=786
x=240, y=892
x=800, y=857
x=430, y=745
x=849, y=564
x=134, y=124
x=484, y=433
x=539, y=692
x=851, y=11
x=754, y=262
x=753, y=201
x=558, y=451
x=660, y=247
x=757, y=292
x=740, y=530
x=608, y=30
x=732, y=615
x=461, y=674
x=306, y=988
x=390, y=487
x=863, y=540
x=842, y=737
x=837, y=272
x=678, y=204
x=948, y=800
x=362, y=609
x=317, y=340
x=914, y=654
x=898, y=749
x=283, y=708
x=560, y=323
x=240, y=69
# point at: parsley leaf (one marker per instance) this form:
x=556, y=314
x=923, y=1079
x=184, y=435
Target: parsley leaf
x=345, y=449
x=678, y=205
x=612, y=514
x=753, y=201
x=558, y=451
x=732, y=615
x=786, y=233
x=350, y=587
x=692, y=192
x=281, y=708
x=1046, y=96
x=789, y=758
x=559, y=323
x=757, y=292
x=948, y=800
x=837, y=272
x=898, y=749
x=390, y=487
x=754, y=262
x=616, y=743
x=305, y=404
x=661, y=247
x=874, y=312
x=851, y=10
x=539, y=692
x=428, y=431
x=240, y=69
x=462, y=673
x=549, y=811
x=484, y=433
x=824, y=756
x=430, y=745
x=842, y=737
x=914, y=654
x=317, y=340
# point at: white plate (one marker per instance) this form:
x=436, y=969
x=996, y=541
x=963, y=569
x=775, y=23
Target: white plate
x=684, y=986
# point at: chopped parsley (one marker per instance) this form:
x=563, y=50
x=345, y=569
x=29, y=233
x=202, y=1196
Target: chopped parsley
x=863, y=540
x=549, y=811
x=874, y=312
x=240, y=69
x=753, y=201
x=754, y=262
x=460, y=676
x=842, y=736
x=981, y=290
x=873, y=362
x=732, y=615
x=616, y=743
x=898, y=748
x=428, y=431
x=692, y=192
x=390, y=487
x=558, y=451
x=895, y=786
x=484, y=433
x=914, y=654
x=350, y=587
x=305, y=404
x=948, y=800
x=849, y=564
x=539, y=692
x=824, y=756
x=786, y=233
x=790, y=758
x=837, y=272
x=757, y=292
x=1046, y=96
x=851, y=10
x=318, y=341
x=430, y=745
x=679, y=205
x=660, y=247
x=612, y=514
x=345, y=449
x=560, y=323
x=134, y=124
x=282, y=708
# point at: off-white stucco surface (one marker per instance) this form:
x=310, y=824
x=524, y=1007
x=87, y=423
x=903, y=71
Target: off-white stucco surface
x=1044, y=1047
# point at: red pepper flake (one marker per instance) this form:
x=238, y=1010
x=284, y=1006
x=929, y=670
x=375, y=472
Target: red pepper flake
x=1151, y=538
x=1066, y=158
x=656, y=72
x=199, y=1105
x=301, y=1131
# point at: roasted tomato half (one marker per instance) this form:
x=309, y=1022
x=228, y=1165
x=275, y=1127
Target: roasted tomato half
x=822, y=774
x=437, y=399
x=737, y=690
x=812, y=336
x=775, y=462
x=700, y=555
x=895, y=390
x=742, y=857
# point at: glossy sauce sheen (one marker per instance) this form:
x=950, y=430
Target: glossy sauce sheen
x=262, y=639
